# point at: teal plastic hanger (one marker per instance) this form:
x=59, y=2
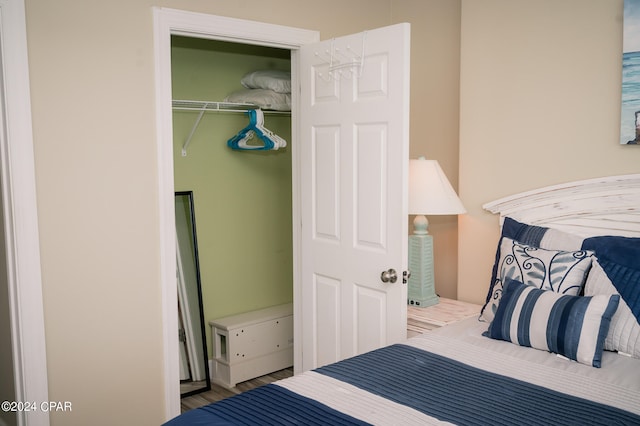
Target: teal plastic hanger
x=270, y=141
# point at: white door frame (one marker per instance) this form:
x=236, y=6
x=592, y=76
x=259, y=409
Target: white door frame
x=21, y=216
x=168, y=22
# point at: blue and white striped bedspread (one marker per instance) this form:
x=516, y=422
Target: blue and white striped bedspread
x=407, y=384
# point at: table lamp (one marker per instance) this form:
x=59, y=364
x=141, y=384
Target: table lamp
x=430, y=193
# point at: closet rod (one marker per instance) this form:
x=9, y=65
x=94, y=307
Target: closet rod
x=212, y=106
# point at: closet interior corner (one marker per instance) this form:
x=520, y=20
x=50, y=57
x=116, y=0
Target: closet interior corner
x=242, y=194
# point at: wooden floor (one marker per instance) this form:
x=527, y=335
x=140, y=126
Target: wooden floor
x=218, y=393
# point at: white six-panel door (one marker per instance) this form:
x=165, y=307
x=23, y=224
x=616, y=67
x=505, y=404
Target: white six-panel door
x=354, y=109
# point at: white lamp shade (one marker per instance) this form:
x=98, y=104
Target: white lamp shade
x=430, y=192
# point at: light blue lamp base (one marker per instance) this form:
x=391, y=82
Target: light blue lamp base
x=421, y=290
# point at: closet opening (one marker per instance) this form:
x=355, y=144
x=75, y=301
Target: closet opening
x=167, y=24
x=242, y=198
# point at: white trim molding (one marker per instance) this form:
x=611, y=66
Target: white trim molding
x=21, y=217
x=585, y=207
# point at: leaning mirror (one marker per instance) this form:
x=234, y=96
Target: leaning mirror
x=194, y=365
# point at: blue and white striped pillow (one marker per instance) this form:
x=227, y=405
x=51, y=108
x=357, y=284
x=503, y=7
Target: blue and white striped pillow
x=572, y=326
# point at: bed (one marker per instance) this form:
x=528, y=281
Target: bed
x=557, y=342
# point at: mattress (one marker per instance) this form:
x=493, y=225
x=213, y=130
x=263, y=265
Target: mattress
x=452, y=375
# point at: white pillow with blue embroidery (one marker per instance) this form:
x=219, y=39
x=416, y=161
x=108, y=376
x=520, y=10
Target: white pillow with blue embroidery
x=560, y=271
x=572, y=326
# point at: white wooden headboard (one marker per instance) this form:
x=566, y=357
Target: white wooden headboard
x=601, y=206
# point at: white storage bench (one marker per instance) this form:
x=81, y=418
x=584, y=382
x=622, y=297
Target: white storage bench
x=252, y=344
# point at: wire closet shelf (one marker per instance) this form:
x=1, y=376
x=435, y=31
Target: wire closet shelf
x=213, y=106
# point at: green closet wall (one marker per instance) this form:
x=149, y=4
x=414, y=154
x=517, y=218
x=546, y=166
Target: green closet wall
x=242, y=199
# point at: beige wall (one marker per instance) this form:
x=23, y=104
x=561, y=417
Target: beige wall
x=91, y=65
x=540, y=105
x=535, y=77
x=435, y=82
